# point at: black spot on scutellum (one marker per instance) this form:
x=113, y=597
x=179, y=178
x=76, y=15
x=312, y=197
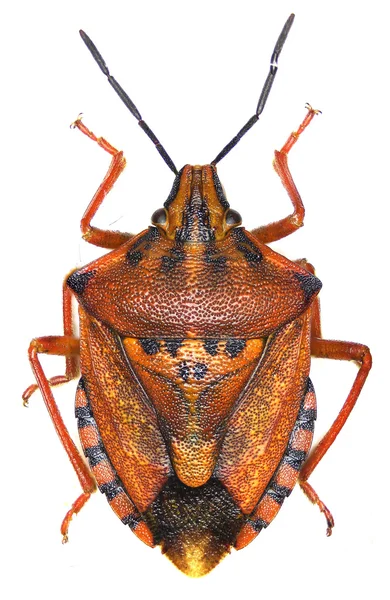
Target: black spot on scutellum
x=211, y=347
x=200, y=370
x=184, y=371
x=173, y=346
x=78, y=281
x=234, y=347
x=150, y=345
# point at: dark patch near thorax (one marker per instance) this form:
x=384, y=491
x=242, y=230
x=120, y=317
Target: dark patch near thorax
x=177, y=257
x=244, y=245
x=214, y=259
x=78, y=281
x=310, y=285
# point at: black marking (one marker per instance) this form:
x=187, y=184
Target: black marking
x=81, y=384
x=251, y=257
x=307, y=425
x=153, y=234
x=234, y=347
x=307, y=414
x=200, y=370
x=294, y=458
x=78, y=281
x=84, y=422
x=306, y=419
x=281, y=490
x=110, y=489
x=258, y=524
x=175, y=188
x=278, y=493
x=211, y=347
x=95, y=455
x=134, y=254
x=182, y=518
x=309, y=386
x=173, y=346
x=135, y=245
x=196, y=220
x=170, y=262
x=184, y=371
x=83, y=412
x=131, y=520
x=310, y=285
x=134, y=257
x=218, y=262
x=150, y=345
x=219, y=190
x=244, y=245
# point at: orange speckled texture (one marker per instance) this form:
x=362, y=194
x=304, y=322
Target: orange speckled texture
x=260, y=428
x=193, y=393
x=155, y=287
x=126, y=422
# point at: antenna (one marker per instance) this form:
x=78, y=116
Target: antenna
x=264, y=92
x=126, y=100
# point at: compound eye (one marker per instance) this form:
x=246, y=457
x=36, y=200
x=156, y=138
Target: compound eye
x=159, y=217
x=233, y=217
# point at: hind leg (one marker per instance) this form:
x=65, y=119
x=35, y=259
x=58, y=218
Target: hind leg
x=334, y=350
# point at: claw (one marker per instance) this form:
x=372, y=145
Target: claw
x=313, y=110
x=28, y=393
x=76, y=121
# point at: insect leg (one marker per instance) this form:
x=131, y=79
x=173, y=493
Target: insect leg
x=280, y=229
x=69, y=347
x=93, y=235
x=71, y=368
x=336, y=350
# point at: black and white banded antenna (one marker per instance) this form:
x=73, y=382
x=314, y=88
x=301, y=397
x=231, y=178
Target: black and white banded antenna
x=127, y=101
x=264, y=92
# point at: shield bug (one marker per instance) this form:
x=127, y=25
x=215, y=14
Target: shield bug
x=195, y=408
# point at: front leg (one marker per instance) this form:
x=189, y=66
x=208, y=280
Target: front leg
x=280, y=229
x=91, y=234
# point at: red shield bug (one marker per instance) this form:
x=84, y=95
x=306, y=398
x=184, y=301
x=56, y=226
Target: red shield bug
x=195, y=407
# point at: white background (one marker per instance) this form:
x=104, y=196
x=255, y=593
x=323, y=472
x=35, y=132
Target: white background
x=195, y=71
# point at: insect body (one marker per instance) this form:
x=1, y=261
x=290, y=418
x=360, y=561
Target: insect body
x=195, y=407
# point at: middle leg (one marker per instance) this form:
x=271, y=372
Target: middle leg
x=336, y=350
